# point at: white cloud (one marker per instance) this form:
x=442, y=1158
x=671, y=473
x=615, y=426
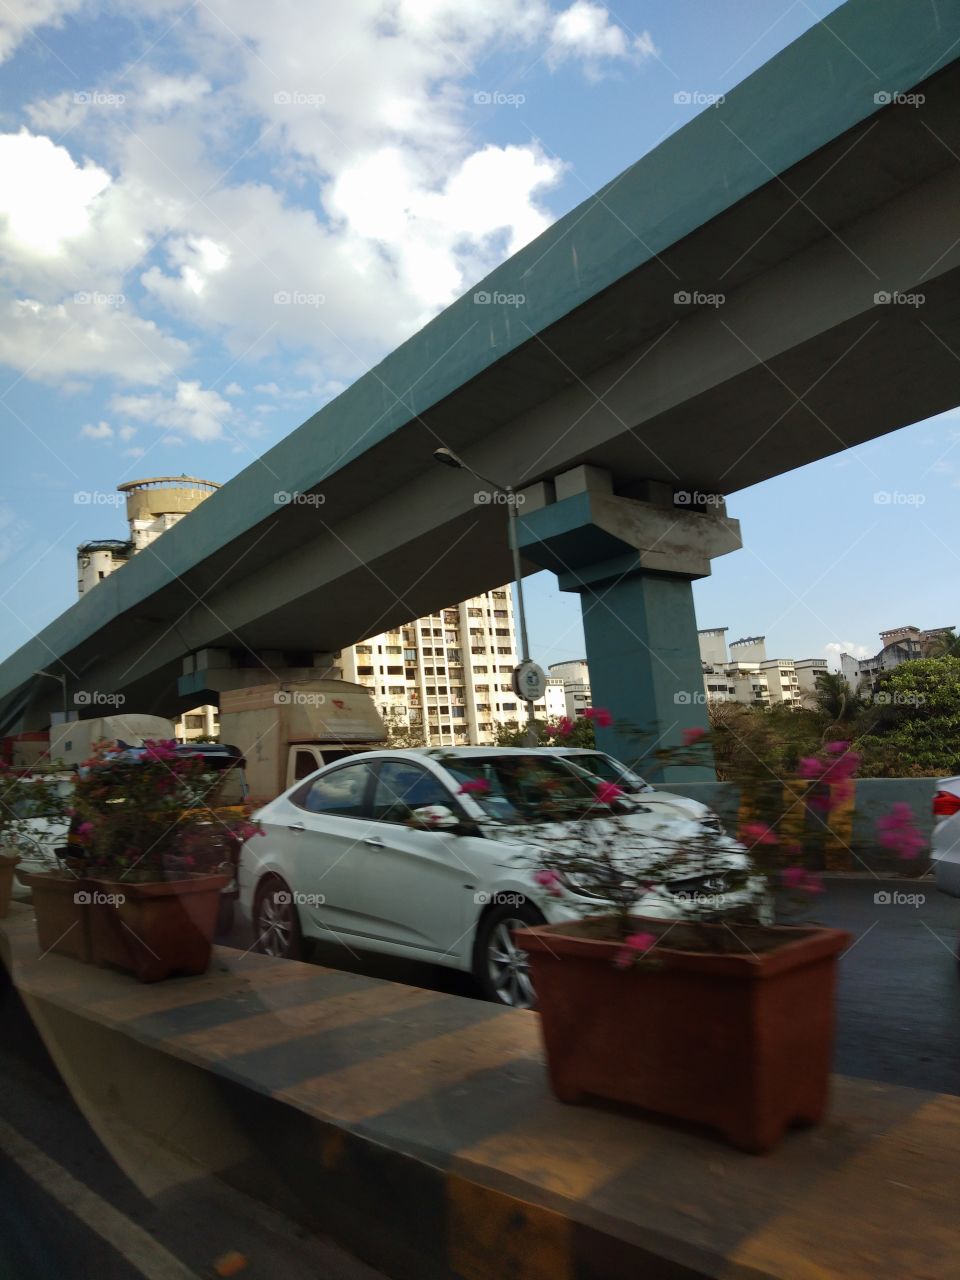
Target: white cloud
x=45, y=198
x=18, y=18
x=50, y=341
x=587, y=31
x=268, y=389
x=191, y=410
x=102, y=431
x=162, y=93
x=851, y=647
x=127, y=433
x=233, y=389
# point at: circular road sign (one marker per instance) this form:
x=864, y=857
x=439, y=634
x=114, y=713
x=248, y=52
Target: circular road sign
x=529, y=681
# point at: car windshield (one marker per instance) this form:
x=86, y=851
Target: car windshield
x=527, y=788
x=610, y=770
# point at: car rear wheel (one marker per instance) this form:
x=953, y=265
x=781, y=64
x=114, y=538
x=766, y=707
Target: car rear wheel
x=276, y=922
x=501, y=967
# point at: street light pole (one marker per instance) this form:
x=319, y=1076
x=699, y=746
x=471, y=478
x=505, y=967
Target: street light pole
x=449, y=459
x=52, y=675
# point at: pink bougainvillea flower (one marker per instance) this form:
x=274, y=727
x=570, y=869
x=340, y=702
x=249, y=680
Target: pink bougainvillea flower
x=842, y=767
x=476, y=786
x=837, y=748
x=793, y=877
x=810, y=767
x=756, y=833
x=565, y=727
x=549, y=880
x=801, y=879
x=84, y=831
x=636, y=945
x=600, y=716
x=691, y=736
x=898, y=831
x=607, y=792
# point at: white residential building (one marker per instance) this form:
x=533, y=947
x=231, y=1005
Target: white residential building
x=153, y=506
x=900, y=644
x=575, y=675
x=807, y=670
x=447, y=677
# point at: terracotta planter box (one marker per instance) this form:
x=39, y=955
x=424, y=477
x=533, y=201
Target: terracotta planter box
x=738, y=1042
x=8, y=861
x=63, y=918
x=157, y=929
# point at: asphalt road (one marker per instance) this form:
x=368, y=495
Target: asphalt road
x=899, y=995
x=69, y=1210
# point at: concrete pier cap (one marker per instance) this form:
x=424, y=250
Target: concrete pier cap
x=632, y=560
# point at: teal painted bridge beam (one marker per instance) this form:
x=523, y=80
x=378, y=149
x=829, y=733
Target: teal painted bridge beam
x=633, y=565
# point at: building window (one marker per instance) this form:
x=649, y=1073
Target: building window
x=393, y=648
x=410, y=655
x=394, y=671
x=364, y=648
x=364, y=671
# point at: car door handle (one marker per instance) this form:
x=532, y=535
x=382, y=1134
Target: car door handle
x=374, y=842
x=296, y=826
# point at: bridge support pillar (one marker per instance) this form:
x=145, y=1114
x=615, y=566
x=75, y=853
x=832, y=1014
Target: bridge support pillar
x=633, y=564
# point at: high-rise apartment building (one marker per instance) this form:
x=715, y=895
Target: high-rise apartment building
x=447, y=677
x=153, y=506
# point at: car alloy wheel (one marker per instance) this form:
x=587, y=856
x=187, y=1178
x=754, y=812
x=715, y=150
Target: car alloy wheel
x=276, y=922
x=508, y=966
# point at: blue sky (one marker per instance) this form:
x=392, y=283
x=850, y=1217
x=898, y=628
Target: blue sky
x=168, y=169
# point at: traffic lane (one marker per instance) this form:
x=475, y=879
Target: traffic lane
x=898, y=1008
x=68, y=1208
x=898, y=1001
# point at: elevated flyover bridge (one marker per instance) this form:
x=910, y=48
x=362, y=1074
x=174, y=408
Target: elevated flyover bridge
x=740, y=302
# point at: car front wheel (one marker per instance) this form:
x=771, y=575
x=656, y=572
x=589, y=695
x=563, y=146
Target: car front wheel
x=276, y=922
x=500, y=967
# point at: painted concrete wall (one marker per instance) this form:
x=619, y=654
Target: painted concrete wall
x=872, y=798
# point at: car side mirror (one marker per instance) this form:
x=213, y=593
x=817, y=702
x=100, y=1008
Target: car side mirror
x=435, y=817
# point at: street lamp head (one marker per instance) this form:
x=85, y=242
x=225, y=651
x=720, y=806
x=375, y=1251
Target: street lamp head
x=448, y=458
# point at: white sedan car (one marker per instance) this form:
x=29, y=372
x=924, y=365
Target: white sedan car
x=384, y=852
x=945, y=841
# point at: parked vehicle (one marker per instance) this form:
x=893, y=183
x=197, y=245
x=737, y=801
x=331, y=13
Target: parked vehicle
x=945, y=840
x=288, y=731
x=609, y=769
x=71, y=742
x=389, y=853
x=37, y=838
x=225, y=801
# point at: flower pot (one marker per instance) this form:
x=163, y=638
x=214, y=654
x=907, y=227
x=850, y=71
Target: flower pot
x=8, y=860
x=738, y=1041
x=154, y=929
x=59, y=905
